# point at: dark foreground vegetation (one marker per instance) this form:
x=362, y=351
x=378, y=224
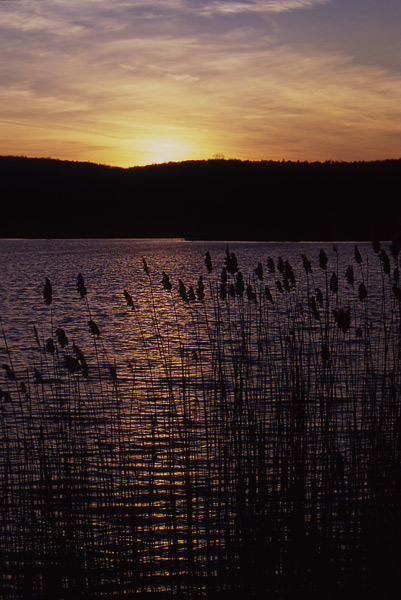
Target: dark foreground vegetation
x=251, y=450
x=215, y=199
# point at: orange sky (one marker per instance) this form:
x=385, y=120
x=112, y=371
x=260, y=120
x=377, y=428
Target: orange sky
x=134, y=82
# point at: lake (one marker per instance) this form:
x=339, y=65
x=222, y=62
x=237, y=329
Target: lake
x=173, y=427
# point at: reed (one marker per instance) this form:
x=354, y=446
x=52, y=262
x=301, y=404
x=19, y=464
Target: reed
x=252, y=448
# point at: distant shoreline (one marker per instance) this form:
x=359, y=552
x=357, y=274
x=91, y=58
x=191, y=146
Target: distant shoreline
x=199, y=240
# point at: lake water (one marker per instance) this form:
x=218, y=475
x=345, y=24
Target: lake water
x=111, y=266
x=225, y=438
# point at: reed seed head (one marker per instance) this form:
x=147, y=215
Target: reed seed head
x=239, y=284
x=208, y=262
x=385, y=261
x=35, y=331
x=128, y=298
x=191, y=294
x=357, y=254
x=182, y=291
x=231, y=262
x=314, y=309
x=200, y=289
x=289, y=274
x=268, y=294
x=47, y=292
x=362, y=292
x=50, y=347
x=72, y=364
x=166, y=281
x=306, y=264
x=397, y=292
x=349, y=274
x=259, y=271
x=376, y=246
x=81, y=289
x=323, y=259
x=394, y=249
x=270, y=264
x=145, y=266
x=93, y=328
x=6, y=396
x=61, y=337
x=38, y=376
x=250, y=293
x=9, y=373
x=343, y=318
x=81, y=360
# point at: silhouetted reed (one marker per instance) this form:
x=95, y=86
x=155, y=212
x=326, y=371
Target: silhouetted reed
x=251, y=449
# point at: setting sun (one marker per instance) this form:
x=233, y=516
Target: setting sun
x=158, y=150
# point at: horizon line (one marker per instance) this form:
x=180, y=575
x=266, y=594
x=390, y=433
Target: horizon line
x=220, y=159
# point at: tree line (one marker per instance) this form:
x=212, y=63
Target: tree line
x=208, y=199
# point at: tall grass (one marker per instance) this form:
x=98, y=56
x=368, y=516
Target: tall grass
x=252, y=448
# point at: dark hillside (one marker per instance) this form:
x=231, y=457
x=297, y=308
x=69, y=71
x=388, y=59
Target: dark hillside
x=216, y=199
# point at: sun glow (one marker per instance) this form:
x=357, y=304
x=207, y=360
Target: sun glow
x=157, y=150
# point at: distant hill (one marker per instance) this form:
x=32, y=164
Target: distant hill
x=214, y=199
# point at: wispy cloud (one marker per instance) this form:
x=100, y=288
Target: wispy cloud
x=147, y=9
x=256, y=6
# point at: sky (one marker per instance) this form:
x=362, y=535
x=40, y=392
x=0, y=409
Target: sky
x=135, y=82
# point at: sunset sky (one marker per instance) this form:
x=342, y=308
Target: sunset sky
x=133, y=82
